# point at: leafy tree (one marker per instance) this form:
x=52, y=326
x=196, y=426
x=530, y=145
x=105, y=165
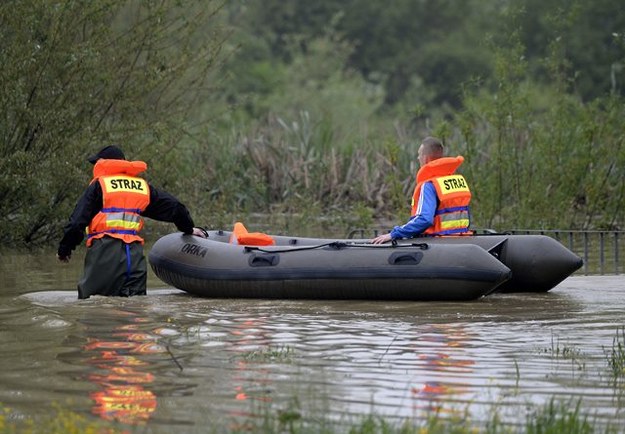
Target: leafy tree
x=540, y=156
x=79, y=74
x=395, y=45
x=588, y=33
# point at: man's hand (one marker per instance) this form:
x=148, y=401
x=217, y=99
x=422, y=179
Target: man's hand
x=382, y=239
x=200, y=232
x=63, y=258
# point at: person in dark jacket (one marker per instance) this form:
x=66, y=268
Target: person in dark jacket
x=112, y=209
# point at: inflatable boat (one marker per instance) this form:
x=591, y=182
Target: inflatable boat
x=434, y=268
x=538, y=262
x=310, y=268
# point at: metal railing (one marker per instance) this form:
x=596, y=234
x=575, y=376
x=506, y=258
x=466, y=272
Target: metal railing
x=601, y=250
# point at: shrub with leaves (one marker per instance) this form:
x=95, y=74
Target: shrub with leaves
x=78, y=75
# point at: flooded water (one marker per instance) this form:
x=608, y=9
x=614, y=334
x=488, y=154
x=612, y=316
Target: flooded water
x=169, y=361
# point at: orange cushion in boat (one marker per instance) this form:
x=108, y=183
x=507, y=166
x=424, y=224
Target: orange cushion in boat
x=240, y=235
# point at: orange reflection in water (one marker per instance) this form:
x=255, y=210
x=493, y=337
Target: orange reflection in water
x=123, y=376
x=250, y=378
x=442, y=361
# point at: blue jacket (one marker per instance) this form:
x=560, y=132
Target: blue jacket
x=424, y=218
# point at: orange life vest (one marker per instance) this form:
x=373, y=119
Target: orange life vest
x=124, y=197
x=452, y=214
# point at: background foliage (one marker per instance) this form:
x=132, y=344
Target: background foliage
x=77, y=74
x=315, y=109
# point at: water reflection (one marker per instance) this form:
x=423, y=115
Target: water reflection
x=354, y=356
x=170, y=362
x=250, y=382
x=440, y=350
x=122, y=371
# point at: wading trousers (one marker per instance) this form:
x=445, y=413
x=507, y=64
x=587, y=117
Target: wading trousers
x=113, y=268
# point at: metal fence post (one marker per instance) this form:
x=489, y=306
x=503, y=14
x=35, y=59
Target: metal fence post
x=616, y=268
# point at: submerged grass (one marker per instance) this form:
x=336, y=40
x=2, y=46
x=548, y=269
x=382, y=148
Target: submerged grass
x=559, y=417
x=616, y=356
x=62, y=421
x=271, y=354
x=561, y=351
x=564, y=351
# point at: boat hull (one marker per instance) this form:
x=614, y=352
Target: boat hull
x=538, y=262
x=310, y=268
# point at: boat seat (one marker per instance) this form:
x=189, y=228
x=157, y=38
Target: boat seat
x=240, y=235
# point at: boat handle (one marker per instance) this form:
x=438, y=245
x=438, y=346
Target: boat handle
x=263, y=260
x=405, y=258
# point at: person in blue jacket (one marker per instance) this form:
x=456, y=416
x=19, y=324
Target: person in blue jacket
x=453, y=199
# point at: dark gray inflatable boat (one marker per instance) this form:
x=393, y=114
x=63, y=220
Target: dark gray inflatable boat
x=538, y=262
x=312, y=268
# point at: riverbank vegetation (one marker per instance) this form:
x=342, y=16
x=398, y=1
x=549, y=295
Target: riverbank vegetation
x=553, y=417
x=315, y=110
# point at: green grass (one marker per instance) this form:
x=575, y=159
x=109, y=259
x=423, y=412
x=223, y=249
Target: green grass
x=555, y=417
x=616, y=355
x=562, y=351
x=62, y=421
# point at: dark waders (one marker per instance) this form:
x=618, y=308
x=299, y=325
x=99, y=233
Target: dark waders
x=113, y=268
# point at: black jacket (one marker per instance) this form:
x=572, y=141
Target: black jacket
x=163, y=206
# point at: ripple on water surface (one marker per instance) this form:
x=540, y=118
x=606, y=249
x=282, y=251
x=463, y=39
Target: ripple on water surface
x=169, y=354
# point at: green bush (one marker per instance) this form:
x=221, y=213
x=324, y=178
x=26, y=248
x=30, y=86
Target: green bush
x=82, y=74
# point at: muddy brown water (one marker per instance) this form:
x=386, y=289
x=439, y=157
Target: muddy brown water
x=169, y=361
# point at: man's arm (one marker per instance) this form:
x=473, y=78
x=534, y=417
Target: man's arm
x=423, y=219
x=165, y=207
x=89, y=204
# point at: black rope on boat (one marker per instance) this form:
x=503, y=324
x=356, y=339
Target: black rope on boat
x=337, y=245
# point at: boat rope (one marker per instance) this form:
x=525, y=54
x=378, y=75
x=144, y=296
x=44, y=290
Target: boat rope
x=337, y=245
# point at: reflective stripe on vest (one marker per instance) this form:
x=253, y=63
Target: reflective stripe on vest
x=123, y=218
x=120, y=221
x=453, y=220
x=452, y=215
